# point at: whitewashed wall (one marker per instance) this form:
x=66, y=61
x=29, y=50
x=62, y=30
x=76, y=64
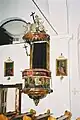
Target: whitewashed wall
x=17, y=54
x=66, y=93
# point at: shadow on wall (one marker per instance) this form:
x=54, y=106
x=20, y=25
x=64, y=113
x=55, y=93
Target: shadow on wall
x=5, y=37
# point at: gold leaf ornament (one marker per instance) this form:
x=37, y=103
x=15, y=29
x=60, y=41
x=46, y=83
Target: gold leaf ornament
x=51, y=118
x=25, y=117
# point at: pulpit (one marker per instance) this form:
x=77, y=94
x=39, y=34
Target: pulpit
x=38, y=77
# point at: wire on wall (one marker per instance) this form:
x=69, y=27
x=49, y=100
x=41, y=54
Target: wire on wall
x=67, y=16
x=45, y=17
x=69, y=71
x=78, y=49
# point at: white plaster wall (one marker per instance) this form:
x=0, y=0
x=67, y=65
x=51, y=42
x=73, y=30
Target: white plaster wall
x=74, y=79
x=18, y=54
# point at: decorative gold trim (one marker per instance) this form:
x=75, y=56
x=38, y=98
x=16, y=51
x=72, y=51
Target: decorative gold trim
x=36, y=36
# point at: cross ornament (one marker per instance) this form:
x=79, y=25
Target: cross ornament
x=75, y=91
